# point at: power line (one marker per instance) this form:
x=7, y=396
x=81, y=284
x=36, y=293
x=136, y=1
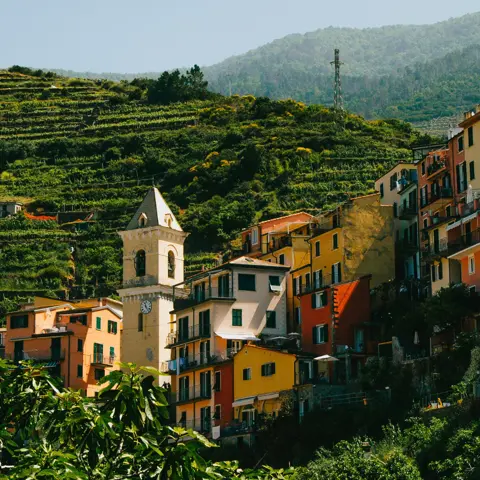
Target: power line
x=337, y=96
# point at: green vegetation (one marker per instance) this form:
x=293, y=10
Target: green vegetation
x=76, y=145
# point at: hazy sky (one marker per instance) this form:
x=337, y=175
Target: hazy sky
x=152, y=35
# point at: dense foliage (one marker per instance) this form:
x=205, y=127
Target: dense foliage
x=50, y=432
x=72, y=147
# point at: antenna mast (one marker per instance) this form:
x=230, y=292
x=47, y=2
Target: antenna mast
x=337, y=99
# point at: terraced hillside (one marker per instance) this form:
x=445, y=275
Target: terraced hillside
x=86, y=151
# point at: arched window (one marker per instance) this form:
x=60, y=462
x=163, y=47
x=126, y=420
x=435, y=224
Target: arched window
x=142, y=220
x=140, y=263
x=171, y=264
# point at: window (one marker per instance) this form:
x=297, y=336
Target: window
x=205, y=385
x=296, y=285
x=317, y=249
x=471, y=166
x=79, y=345
x=433, y=273
x=98, y=323
x=425, y=223
x=183, y=388
x=97, y=353
x=307, y=281
x=320, y=334
x=460, y=144
x=79, y=319
x=218, y=382
x=274, y=283
x=423, y=196
x=395, y=209
x=448, y=211
x=335, y=241
x=236, y=317
x=336, y=273
x=381, y=190
x=268, y=369
x=271, y=319
x=19, y=321
x=246, y=282
x=281, y=259
x=140, y=263
x=254, y=236
x=79, y=371
x=140, y=322
x=142, y=220
x=423, y=168
x=297, y=315
x=393, y=181
x=112, y=354
x=319, y=300
x=112, y=327
x=204, y=322
x=182, y=328
x=218, y=412
x=247, y=373
x=470, y=136
x=471, y=264
x=440, y=270
x=171, y=264
x=99, y=373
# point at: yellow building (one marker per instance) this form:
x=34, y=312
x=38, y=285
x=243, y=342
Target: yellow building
x=152, y=264
x=264, y=380
x=471, y=145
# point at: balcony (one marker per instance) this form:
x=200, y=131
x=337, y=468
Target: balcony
x=436, y=167
x=465, y=241
x=187, y=335
x=201, y=425
x=324, y=281
x=277, y=243
x=407, y=246
x=185, y=395
x=199, y=360
x=429, y=198
x=49, y=355
x=195, y=297
x=100, y=360
x=320, y=228
x=237, y=428
x=437, y=249
x=406, y=212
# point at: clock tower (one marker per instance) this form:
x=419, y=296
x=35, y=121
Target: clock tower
x=152, y=264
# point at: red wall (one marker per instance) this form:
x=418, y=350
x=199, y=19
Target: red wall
x=225, y=396
x=471, y=279
x=353, y=307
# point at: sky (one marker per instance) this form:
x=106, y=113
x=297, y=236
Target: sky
x=130, y=36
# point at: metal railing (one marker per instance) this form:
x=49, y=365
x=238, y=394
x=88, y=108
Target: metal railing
x=191, y=333
x=276, y=243
x=437, y=166
x=319, y=228
x=467, y=240
x=407, y=211
x=191, y=362
x=37, y=355
x=324, y=281
x=100, y=359
x=197, y=424
x=191, y=393
x=195, y=297
x=407, y=245
x=237, y=428
x=431, y=197
x=436, y=248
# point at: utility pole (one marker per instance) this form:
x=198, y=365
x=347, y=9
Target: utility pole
x=337, y=99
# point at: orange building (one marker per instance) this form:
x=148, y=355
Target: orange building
x=77, y=341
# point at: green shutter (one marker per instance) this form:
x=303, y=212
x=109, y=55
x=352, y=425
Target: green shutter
x=314, y=303
x=112, y=352
x=324, y=299
x=99, y=323
x=272, y=368
x=325, y=333
x=314, y=335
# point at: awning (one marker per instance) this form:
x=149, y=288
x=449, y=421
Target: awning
x=326, y=358
x=453, y=225
x=241, y=402
x=268, y=396
x=238, y=336
x=470, y=217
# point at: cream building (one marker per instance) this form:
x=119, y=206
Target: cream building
x=152, y=263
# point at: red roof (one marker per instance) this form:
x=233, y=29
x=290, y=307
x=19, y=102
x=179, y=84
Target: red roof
x=42, y=218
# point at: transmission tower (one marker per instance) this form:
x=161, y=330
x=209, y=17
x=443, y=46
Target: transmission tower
x=337, y=99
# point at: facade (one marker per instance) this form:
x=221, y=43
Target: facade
x=216, y=313
x=152, y=265
x=336, y=321
x=2, y=342
x=398, y=188
x=79, y=342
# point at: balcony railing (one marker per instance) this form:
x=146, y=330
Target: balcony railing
x=436, y=167
x=237, y=428
x=193, y=393
x=407, y=211
x=102, y=360
x=276, y=243
x=407, y=246
x=189, y=334
x=436, y=248
x=38, y=355
x=324, y=281
x=196, y=297
x=464, y=241
x=320, y=228
x=431, y=197
x=198, y=425
x=191, y=362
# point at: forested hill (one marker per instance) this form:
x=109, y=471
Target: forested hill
x=79, y=147
x=383, y=67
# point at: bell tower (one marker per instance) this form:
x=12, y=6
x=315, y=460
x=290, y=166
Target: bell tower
x=152, y=264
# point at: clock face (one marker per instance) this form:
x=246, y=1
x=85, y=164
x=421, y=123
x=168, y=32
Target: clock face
x=146, y=306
